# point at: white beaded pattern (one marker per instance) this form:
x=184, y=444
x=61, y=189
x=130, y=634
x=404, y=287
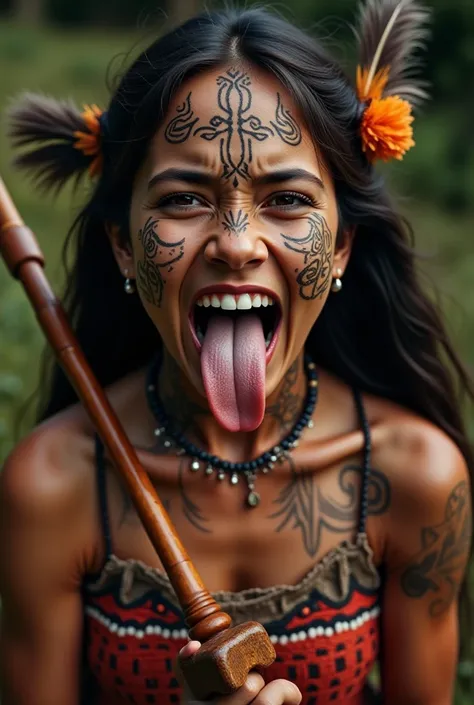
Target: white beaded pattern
x=338, y=628
x=311, y=633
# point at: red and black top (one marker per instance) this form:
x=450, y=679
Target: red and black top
x=325, y=628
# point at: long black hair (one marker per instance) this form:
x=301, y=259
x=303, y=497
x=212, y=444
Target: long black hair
x=381, y=333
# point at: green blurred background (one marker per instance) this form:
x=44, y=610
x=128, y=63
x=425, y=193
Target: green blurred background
x=64, y=48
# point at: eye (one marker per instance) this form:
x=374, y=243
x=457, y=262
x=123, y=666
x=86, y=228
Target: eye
x=178, y=201
x=290, y=200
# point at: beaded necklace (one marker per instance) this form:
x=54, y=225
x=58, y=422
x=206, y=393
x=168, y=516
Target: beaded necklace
x=225, y=468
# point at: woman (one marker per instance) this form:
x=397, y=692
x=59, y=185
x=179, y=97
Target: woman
x=245, y=289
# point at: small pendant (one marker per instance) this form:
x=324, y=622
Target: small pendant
x=167, y=444
x=253, y=499
x=209, y=470
x=234, y=479
x=195, y=465
x=158, y=431
x=221, y=475
x=310, y=423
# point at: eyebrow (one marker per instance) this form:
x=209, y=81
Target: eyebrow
x=191, y=176
x=187, y=175
x=276, y=177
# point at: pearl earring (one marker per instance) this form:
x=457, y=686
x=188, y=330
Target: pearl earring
x=337, y=282
x=129, y=286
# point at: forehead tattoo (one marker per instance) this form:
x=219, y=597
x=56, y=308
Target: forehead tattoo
x=235, y=126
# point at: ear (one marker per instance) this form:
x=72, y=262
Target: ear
x=344, y=241
x=122, y=250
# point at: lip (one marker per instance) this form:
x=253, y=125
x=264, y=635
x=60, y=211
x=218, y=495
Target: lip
x=236, y=290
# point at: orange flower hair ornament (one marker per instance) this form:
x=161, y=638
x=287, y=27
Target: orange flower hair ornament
x=388, y=33
x=90, y=142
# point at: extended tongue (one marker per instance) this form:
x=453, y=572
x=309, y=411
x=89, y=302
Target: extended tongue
x=233, y=369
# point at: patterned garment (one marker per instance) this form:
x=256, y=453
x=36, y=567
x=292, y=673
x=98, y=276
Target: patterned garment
x=325, y=628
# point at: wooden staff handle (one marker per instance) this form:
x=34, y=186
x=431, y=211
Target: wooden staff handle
x=226, y=658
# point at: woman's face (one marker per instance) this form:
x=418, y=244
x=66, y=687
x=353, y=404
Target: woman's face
x=232, y=209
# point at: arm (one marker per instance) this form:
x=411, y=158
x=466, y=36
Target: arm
x=426, y=556
x=42, y=536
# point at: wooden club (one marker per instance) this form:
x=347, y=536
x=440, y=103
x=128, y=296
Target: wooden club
x=227, y=653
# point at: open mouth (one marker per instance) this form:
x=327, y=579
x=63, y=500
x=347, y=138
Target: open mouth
x=265, y=306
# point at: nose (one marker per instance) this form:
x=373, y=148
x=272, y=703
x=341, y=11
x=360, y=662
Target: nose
x=236, y=251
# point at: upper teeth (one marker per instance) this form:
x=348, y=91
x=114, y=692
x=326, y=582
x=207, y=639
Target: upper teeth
x=229, y=302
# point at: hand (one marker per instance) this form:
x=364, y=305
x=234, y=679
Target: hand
x=254, y=690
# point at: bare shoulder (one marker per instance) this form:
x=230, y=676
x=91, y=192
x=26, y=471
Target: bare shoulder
x=54, y=464
x=421, y=462
x=48, y=478
x=430, y=492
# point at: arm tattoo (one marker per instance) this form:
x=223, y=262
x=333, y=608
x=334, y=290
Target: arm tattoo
x=157, y=255
x=304, y=505
x=235, y=126
x=235, y=223
x=316, y=248
x=439, y=565
x=287, y=407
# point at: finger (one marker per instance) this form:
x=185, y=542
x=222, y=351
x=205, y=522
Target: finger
x=278, y=692
x=243, y=696
x=247, y=693
x=190, y=649
x=186, y=652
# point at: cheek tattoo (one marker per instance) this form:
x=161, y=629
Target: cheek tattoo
x=235, y=223
x=316, y=248
x=158, y=254
x=235, y=126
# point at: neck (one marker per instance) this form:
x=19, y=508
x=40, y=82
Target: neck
x=191, y=414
